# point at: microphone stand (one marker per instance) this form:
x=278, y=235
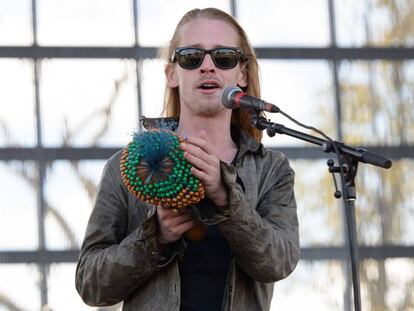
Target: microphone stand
x=348, y=158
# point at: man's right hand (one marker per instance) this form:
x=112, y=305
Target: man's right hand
x=172, y=224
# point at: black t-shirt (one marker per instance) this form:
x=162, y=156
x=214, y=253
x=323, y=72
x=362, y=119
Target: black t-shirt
x=203, y=272
x=204, y=269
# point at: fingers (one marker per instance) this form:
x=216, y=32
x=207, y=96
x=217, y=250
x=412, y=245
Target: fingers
x=199, y=161
x=198, y=151
x=172, y=225
x=201, y=143
x=205, y=166
x=173, y=216
x=200, y=174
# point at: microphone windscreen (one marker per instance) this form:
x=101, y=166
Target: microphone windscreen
x=226, y=96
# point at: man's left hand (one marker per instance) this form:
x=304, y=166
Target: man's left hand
x=206, y=167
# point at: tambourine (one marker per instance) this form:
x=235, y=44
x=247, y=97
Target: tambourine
x=154, y=170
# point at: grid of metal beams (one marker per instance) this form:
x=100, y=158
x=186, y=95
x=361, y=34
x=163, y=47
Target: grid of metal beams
x=39, y=154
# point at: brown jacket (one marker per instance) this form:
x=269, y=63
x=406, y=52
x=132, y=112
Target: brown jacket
x=120, y=261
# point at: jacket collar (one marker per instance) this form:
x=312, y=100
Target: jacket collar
x=248, y=143
x=245, y=141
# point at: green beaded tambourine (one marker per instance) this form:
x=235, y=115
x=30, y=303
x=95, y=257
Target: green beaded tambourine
x=154, y=169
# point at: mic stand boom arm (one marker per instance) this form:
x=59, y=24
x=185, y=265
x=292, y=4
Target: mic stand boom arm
x=350, y=157
x=359, y=154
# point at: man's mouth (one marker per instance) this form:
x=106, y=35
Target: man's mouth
x=208, y=85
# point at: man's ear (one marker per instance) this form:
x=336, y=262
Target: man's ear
x=242, y=76
x=171, y=75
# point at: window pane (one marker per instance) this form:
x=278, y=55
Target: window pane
x=15, y=22
x=319, y=213
x=374, y=23
x=377, y=102
x=152, y=84
x=85, y=22
x=385, y=204
x=69, y=191
x=17, y=107
x=387, y=285
x=281, y=22
x=18, y=197
x=19, y=286
x=88, y=102
x=157, y=19
x=62, y=292
x=302, y=89
x=320, y=286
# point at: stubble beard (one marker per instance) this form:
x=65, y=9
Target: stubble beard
x=204, y=109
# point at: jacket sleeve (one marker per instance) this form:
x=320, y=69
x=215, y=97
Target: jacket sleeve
x=264, y=238
x=114, y=262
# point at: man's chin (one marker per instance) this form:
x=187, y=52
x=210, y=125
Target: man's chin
x=209, y=111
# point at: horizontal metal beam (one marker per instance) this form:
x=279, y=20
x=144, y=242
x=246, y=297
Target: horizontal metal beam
x=365, y=252
x=39, y=256
x=138, y=52
x=95, y=153
x=310, y=254
x=77, y=52
x=336, y=53
x=50, y=154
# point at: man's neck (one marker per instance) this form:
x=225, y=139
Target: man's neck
x=217, y=129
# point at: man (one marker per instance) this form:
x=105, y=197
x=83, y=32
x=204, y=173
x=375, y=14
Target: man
x=137, y=253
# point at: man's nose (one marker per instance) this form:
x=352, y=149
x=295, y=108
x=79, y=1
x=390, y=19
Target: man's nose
x=207, y=64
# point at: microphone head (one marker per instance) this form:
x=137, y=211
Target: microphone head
x=227, y=96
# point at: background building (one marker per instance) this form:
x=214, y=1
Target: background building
x=76, y=76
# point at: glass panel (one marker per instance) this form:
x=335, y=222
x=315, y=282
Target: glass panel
x=19, y=287
x=377, y=102
x=385, y=204
x=302, y=89
x=320, y=286
x=387, y=285
x=17, y=107
x=18, y=206
x=69, y=192
x=62, y=292
x=374, y=23
x=319, y=213
x=16, y=22
x=286, y=23
x=157, y=19
x=152, y=85
x=88, y=102
x=85, y=22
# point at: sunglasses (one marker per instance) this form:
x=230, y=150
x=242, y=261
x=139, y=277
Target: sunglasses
x=223, y=58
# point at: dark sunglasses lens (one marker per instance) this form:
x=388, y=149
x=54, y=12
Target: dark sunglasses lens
x=190, y=58
x=226, y=58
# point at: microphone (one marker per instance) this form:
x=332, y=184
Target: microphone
x=233, y=97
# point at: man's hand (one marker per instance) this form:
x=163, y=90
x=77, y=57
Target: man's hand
x=172, y=224
x=206, y=167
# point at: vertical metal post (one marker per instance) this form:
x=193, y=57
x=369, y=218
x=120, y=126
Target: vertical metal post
x=337, y=95
x=233, y=8
x=137, y=62
x=41, y=206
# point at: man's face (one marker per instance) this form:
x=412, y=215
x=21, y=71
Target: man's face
x=200, y=88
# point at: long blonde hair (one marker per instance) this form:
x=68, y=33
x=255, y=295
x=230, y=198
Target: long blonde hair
x=240, y=118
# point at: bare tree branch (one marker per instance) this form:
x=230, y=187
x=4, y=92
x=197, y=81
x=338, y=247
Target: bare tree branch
x=9, y=304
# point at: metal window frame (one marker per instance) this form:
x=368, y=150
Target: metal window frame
x=40, y=154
